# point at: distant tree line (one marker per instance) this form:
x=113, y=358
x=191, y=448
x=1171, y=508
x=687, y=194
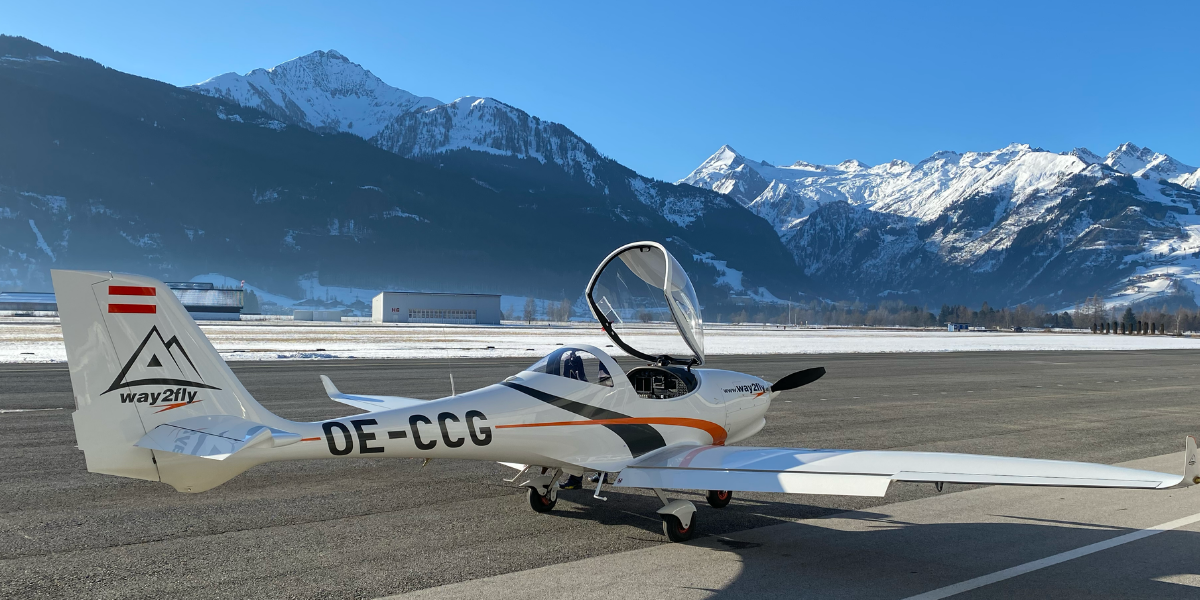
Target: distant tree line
x=896, y=313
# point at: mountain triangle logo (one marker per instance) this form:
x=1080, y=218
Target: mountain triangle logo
x=178, y=370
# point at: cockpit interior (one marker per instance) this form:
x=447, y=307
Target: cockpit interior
x=662, y=383
x=651, y=382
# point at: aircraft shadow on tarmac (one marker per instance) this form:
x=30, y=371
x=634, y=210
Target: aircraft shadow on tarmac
x=636, y=509
x=888, y=558
x=893, y=559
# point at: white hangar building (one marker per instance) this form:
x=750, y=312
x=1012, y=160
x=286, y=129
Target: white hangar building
x=421, y=307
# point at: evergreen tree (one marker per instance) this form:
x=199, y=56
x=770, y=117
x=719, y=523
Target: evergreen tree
x=1128, y=318
x=251, y=305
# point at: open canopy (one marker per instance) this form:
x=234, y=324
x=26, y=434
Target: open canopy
x=639, y=285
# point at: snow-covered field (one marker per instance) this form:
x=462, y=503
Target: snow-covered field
x=40, y=340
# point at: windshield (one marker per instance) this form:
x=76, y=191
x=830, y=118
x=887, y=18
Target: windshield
x=645, y=299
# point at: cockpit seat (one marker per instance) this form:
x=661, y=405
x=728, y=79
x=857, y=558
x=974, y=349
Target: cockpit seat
x=573, y=367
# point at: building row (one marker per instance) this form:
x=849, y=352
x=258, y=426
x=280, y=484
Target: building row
x=206, y=301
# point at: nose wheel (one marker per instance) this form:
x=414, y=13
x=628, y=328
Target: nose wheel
x=540, y=502
x=541, y=491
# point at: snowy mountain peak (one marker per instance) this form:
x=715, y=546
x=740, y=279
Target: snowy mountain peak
x=714, y=168
x=1142, y=162
x=1085, y=155
x=807, y=166
x=322, y=90
x=852, y=165
x=1129, y=158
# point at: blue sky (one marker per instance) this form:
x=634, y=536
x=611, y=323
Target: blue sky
x=661, y=86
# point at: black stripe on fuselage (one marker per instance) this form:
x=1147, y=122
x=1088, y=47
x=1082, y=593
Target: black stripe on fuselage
x=639, y=438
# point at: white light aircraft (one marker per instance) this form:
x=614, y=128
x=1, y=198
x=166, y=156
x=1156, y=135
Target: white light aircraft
x=155, y=401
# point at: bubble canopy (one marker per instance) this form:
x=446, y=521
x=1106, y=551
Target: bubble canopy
x=640, y=285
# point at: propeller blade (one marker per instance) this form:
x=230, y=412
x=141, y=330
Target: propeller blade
x=797, y=379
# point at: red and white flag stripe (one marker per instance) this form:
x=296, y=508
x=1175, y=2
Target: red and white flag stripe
x=131, y=290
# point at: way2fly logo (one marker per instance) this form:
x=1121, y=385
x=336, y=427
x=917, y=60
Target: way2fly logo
x=755, y=388
x=176, y=371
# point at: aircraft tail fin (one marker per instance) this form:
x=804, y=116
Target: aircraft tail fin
x=137, y=360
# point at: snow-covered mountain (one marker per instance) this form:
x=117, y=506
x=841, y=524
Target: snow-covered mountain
x=488, y=125
x=1018, y=223
x=322, y=91
x=326, y=92
x=498, y=145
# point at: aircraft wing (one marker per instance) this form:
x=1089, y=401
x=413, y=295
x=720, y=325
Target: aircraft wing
x=367, y=403
x=866, y=472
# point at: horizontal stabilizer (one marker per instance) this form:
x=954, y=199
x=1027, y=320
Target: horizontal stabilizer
x=864, y=473
x=214, y=436
x=368, y=403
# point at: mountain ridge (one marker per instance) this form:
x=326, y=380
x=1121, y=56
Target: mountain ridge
x=960, y=218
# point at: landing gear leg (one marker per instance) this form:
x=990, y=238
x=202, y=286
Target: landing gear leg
x=679, y=518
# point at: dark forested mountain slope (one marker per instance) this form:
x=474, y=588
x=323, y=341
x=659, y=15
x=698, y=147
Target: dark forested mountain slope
x=104, y=170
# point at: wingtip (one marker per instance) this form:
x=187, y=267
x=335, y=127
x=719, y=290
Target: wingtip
x=329, y=387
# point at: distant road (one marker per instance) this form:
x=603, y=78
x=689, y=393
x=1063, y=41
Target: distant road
x=378, y=527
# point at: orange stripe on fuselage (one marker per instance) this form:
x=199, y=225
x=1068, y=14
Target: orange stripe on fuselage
x=717, y=432
x=309, y=439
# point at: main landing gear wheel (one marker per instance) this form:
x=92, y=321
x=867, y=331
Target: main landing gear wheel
x=675, y=531
x=539, y=502
x=719, y=498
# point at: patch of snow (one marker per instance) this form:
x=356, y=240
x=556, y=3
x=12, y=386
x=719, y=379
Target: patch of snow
x=289, y=240
x=41, y=243
x=268, y=123
x=484, y=185
x=53, y=204
x=681, y=209
x=96, y=208
x=267, y=196
x=396, y=212
x=147, y=240
x=731, y=278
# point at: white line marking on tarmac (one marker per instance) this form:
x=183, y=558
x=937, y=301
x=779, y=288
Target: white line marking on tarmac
x=1049, y=561
x=1184, y=579
x=8, y=410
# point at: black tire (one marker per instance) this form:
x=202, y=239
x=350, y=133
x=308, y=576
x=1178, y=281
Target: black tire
x=540, y=503
x=719, y=498
x=674, y=530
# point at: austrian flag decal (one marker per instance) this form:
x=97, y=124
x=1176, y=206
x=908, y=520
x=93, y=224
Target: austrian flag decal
x=125, y=293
